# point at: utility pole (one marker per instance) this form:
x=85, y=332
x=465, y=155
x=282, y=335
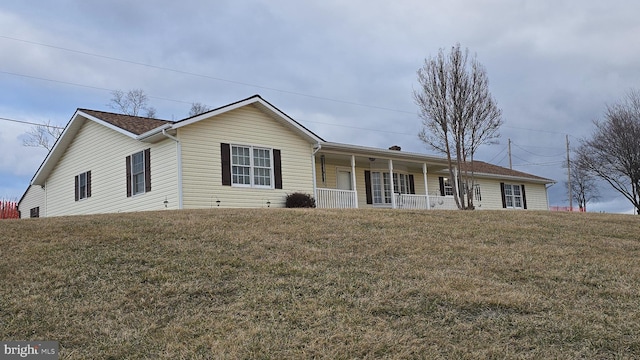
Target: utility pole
x=569, y=176
x=510, y=164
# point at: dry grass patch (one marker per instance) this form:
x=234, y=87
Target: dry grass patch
x=283, y=283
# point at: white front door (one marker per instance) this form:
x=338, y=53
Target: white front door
x=344, y=180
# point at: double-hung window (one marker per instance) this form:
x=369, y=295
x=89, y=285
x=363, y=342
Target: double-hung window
x=251, y=166
x=83, y=185
x=448, y=188
x=513, y=196
x=139, y=172
x=401, y=183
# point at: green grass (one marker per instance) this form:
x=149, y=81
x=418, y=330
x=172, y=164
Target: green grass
x=278, y=283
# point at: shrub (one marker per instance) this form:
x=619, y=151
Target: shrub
x=300, y=200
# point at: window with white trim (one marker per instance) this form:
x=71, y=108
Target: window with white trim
x=381, y=186
x=251, y=166
x=448, y=188
x=137, y=173
x=401, y=183
x=513, y=196
x=83, y=185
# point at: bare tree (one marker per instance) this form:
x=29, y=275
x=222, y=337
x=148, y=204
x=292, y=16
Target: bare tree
x=198, y=108
x=44, y=135
x=133, y=102
x=458, y=113
x=583, y=183
x=612, y=153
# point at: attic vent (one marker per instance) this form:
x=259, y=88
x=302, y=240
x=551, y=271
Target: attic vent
x=395, y=147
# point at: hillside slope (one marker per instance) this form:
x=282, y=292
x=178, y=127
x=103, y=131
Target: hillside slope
x=278, y=283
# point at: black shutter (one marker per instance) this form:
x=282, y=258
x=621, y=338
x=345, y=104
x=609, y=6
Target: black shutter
x=128, y=176
x=147, y=170
x=89, y=183
x=367, y=185
x=77, y=187
x=412, y=186
x=504, y=200
x=277, y=168
x=225, y=154
x=524, y=197
x=441, y=180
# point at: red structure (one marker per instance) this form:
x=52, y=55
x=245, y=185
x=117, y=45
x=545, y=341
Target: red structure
x=566, y=208
x=9, y=210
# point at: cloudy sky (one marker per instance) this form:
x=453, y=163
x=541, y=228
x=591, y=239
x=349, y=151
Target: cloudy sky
x=344, y=69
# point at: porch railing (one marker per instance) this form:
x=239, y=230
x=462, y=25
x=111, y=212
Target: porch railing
x=438, y=202
x=408, y=201
x=336, y=199
x=419, y=202
x=347, y=199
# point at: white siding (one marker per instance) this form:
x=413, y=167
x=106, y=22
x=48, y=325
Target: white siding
x=491, y=195
x=103, y=151
x=202, y=167
x=34, y=197
x=536, y=194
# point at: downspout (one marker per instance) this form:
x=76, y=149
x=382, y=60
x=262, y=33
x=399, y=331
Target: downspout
x=316, y=148
x=546, y=193
x=179, y=160
x=46, y=208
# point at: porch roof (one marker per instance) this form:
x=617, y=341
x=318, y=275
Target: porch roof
x=481, y=168
x=366, y=151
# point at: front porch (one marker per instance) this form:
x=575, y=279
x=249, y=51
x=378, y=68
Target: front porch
x=380, y=179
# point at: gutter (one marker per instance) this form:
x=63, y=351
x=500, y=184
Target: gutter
x=179, y=160
x=157, y=130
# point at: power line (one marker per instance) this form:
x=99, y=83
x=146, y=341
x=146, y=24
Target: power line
x=498, y=154
x=85, y=86
x=553, y=163
x=218, y=79
x=204, y=76
x=527, y=151
x=31, y=123
x=185, y=102
x=527, y=163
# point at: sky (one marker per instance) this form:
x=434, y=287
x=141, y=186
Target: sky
x=344, y=69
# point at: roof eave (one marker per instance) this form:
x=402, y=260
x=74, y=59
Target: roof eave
x=515, y=178
x=63, y=142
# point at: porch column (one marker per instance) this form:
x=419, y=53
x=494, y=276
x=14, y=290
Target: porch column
x=426, y=186
x=393, y=195
x=353, y=179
